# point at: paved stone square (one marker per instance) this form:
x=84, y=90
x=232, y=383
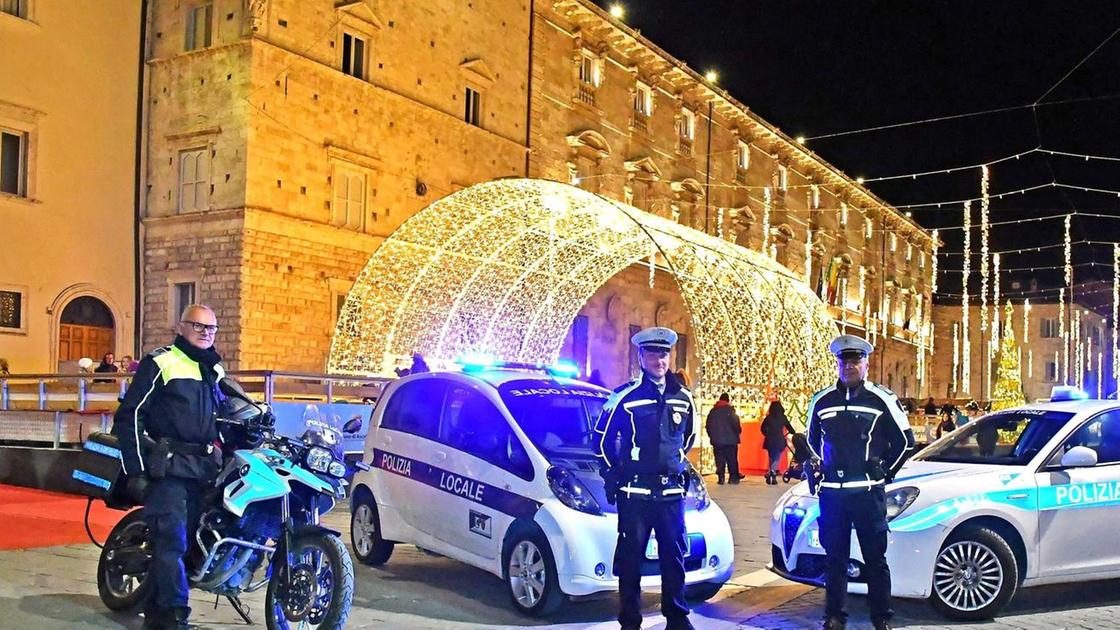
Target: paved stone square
x=54, y=588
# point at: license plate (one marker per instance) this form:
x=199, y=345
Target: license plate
x=651, y=548
x=815, y=538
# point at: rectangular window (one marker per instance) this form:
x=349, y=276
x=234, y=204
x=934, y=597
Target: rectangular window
x=12, y=310
x=13, y=162
x=354, y=55
x=472, y=109
x=199, y=26
x=194, y=180
x=783, y=178
x=843, y=214
x=632, y=359
x=589, y=69
x=1051, y=371
x=348, y=206
x=17, y=8
x=1049, y=328
x=743, y=156
x=643, y=99
x=894, y=242
x=184, y=294
x=682, y=352
x=688, y=125
x=815, y=196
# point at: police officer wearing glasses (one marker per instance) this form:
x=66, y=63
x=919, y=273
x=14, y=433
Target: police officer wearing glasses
x=860, y=434
x=646, y=428
x=169, y=442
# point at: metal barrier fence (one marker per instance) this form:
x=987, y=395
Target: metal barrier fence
x=59, y=410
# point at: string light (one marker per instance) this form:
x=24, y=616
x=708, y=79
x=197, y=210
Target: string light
x=617, y=11
x=995, y=304
x=956, y=356
x=809, y=258
x=1026, y=321
x=720, y=229
x=984, y=250
x=966, y=359
x=470, y=273
x=652, y=267
x=936, y=243
x=1115, y=319
x=1063, y=336
x=1068, y=249
x=766, y=218
x=1100, y=374
x=1075, y=335
x=1030, y=363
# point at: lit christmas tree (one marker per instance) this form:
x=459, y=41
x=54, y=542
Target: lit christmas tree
x=1008, y=390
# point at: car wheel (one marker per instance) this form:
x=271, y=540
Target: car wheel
x=530, y=573
x=975, y=575
x=703, y=591
x=365, y=531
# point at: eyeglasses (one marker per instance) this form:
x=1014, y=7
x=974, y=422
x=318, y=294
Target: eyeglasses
x=197, y=327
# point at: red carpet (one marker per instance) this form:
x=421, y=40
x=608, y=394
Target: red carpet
x=37, y=518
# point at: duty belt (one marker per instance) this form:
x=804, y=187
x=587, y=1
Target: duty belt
x=644, y=485
x=870, y=483
x=188, y=448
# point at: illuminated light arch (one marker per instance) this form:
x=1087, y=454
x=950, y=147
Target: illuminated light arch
x=505, y=266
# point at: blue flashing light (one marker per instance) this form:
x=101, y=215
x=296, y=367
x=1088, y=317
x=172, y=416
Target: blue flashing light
x=476, y=361
x=1067, y=392
x=564, y=368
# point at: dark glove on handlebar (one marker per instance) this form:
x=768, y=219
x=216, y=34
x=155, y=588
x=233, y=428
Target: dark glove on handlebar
x=267, y=420
x=136, y=488
x=611, y=484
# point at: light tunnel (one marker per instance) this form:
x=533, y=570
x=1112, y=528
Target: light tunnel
x=504, y=267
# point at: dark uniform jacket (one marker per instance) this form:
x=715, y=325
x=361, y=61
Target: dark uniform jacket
x=168, y=398
x=860, y=434
x=644, y=435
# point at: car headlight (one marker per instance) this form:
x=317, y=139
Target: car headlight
x=318, y=459
x=899, y=499
x=698, y=489
x=571, y=491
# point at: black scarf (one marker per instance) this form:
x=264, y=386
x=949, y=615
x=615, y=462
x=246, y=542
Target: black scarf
x=206, y=359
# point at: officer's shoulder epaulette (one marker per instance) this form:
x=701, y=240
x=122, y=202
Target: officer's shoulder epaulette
x=627, y=385
x=158, y=351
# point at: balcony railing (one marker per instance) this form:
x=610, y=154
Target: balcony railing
x=586, y=94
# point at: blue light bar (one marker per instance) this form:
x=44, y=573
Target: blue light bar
x=563, y=367
x=1067, y=392
x=476, y=361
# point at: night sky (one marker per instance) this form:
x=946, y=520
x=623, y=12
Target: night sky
x=828, y=66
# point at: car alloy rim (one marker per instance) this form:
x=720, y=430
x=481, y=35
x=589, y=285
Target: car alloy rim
x=968, y=575
x=527, y=574
x=364, y=529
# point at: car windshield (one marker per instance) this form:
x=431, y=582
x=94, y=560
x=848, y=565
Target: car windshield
x=557, y=418
x=1010, y=438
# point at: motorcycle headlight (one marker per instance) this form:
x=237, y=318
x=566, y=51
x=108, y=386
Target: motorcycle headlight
x=319, y=459
x=899, y=499
x=698, y=489
x=337, y=469
x=571, y=491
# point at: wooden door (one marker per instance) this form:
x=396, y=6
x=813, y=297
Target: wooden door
x=76, y=341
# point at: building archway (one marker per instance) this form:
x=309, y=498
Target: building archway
x=504, y=267
x=86, y=328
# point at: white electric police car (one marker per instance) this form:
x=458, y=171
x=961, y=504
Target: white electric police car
x=495, y=466
x=1021, y=497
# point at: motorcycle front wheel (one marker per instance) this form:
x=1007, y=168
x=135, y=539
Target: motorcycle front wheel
x=122, y=569
x=316, y=591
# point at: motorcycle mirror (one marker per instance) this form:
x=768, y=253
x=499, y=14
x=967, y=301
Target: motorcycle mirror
x=353, y=425
x=232, y=388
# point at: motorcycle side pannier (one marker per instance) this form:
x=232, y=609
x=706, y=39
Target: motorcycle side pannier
x=99, y=472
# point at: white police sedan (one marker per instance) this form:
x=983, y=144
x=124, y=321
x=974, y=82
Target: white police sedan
x=494, y=466
x=1018, y=498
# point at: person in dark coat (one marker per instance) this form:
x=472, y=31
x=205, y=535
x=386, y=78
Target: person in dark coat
x=774, y=428
x=419, y=364
x=723, y=430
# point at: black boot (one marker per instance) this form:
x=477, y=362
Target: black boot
x=680, y=623
x=882, y=625
x=834, y=623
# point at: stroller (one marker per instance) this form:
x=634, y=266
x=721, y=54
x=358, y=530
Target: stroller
x=799, y=453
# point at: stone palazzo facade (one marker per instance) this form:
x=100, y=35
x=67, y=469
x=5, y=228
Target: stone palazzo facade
x=286, y=139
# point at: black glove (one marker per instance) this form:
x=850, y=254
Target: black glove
x=878, y=472
x=611, y=485
x=136, y=488
x=813, y=475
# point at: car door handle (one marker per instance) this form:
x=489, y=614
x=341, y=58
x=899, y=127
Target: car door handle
x=439, y=456
x=1018, y=495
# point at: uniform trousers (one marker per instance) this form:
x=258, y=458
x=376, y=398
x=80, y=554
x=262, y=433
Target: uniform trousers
x=171, y=511
x=865, y=509
x=636, y=517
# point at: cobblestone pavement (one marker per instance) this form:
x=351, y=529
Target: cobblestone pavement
x=54, y=588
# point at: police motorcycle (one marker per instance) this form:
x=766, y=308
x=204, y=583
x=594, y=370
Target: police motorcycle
x=259, y=526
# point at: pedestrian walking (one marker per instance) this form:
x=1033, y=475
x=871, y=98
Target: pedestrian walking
x=723, y=430
x=774, y=427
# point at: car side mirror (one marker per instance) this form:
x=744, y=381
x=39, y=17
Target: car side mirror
x=1079, y=457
